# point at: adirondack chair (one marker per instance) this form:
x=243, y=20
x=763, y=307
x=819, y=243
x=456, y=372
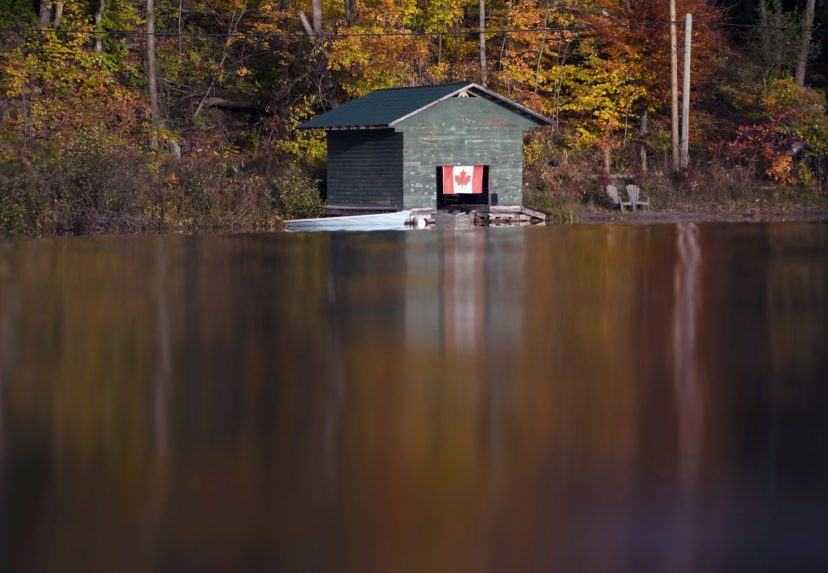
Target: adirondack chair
x=634, y=193
x=615, y=197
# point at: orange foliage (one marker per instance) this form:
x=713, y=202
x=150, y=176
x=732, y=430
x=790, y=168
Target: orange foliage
x=640, y=30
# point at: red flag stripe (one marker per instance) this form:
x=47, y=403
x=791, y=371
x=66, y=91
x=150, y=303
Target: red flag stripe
x=477, y=182
x=448, y=183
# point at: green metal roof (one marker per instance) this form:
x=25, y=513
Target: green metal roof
x=384, y=108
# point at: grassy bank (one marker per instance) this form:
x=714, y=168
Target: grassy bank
x=714, y=194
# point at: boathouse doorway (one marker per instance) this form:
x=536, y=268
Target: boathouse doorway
x=463, y=187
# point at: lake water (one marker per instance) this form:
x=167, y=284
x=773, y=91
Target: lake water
x=573, y=399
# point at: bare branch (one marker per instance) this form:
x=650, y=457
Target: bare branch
x=234, y=23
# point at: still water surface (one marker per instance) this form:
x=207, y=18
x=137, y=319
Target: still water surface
x=601, y=398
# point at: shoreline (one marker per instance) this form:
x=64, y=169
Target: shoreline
x=675, y=216
x=584, y=217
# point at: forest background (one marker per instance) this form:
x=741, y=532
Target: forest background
x=133, y=115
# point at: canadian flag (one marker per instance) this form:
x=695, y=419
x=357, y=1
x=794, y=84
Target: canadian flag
x=462, y=179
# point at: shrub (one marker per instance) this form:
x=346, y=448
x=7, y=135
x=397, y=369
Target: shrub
x=85, y=186
x=559, y=209
x=12, y=215
x=79, y=187
x=296, y=194
x=790, y=123
x=209, y=191
x=98, y=189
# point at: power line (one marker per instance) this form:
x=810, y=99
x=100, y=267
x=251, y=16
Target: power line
x=579, y=29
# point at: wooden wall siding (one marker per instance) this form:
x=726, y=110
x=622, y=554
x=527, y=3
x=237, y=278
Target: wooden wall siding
x=463, y=131
x=365, y=168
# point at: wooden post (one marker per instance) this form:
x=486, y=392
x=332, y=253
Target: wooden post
x=674, y=85
x=685, y=93
x=483, y=42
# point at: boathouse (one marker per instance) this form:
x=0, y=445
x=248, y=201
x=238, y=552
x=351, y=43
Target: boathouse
x=425, y=147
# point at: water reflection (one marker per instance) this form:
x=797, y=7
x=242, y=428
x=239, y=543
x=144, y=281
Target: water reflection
x=686, y=375
x=576, y=399
x=687, y=381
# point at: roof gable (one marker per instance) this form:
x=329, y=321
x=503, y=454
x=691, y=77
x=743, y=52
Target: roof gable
x=471, y=115
x=388, y=107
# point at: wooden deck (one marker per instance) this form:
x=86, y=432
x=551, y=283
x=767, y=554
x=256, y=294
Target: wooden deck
x=478, y=217
x=459, y=219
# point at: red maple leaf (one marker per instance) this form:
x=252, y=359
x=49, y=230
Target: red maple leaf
x=462, y=179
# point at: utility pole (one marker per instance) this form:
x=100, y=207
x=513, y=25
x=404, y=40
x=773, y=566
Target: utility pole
x=483, y=42
x=674, y=85
x=152, y=77
x=685, y=93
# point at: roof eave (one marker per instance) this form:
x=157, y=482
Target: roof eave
x=343, y=127
x=540, y=118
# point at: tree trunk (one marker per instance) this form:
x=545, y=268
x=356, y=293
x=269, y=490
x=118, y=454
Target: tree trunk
x=58, y=14
x=98, y=17
x=45, y=13
x=307, y=26
x=152, y=77
x=180, y=25
x=351, y=9
x=805, y=48
x=643, y=151
x=317, y=17
x=764, y=32
x=483, y=77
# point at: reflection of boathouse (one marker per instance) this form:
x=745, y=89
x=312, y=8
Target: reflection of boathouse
x=425, y=147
